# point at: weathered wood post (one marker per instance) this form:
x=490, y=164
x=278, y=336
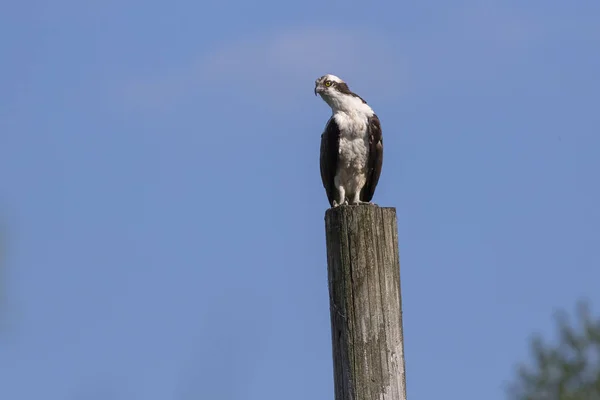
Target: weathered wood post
x=365, y=303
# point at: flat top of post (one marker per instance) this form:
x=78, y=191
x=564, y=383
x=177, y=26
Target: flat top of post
x=354, y=208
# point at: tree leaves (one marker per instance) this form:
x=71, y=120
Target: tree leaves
x=568, y=370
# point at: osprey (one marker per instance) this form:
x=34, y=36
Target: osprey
x=351, y=145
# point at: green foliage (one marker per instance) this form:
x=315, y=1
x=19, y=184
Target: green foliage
x=569, y=370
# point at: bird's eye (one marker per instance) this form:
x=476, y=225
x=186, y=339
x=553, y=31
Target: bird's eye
x=327, y=83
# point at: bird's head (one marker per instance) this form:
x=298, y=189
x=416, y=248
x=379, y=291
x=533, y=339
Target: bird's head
x=329, y=85
x=335, y=92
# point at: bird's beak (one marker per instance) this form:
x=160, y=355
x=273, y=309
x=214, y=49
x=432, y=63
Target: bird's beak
x=315, y=90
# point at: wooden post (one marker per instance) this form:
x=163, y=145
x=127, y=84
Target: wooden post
x=365, y=303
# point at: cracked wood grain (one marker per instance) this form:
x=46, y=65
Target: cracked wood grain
x=365, y=303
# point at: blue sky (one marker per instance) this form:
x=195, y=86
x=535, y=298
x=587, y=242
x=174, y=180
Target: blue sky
x=162, y=208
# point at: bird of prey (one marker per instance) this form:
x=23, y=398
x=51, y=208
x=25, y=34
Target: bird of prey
x=351, y=145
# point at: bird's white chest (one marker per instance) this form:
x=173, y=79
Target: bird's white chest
x=353, y=146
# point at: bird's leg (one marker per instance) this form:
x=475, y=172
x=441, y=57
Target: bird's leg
x=341, y=200
x=357, y=201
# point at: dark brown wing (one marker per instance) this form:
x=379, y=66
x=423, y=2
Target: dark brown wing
x=375, y=159
x=330, y=141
